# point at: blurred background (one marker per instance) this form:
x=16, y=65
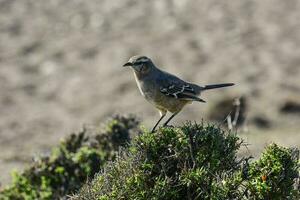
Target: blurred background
x=61, y=67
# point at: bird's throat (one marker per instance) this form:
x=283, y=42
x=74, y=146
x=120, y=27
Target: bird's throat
x=137, y=80
x=139, y=75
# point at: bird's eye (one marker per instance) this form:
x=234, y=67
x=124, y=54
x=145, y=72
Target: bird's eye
x=138, y=63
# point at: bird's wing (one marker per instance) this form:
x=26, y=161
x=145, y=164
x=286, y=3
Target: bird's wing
x=174, y=87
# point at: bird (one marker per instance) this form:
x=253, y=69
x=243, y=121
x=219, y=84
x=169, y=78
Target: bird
x=165, y=91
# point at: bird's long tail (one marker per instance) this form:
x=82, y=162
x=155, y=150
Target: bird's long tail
x=215, y=86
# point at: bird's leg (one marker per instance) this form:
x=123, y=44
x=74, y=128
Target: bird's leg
x=163, y=114
x=174, y=114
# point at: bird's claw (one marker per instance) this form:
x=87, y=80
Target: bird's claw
x=169, y=126
x=165, y=125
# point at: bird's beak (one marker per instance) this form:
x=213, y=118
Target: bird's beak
x=127, y=64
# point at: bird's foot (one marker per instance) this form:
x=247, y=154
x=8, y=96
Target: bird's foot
x=169, y=126
x=165, y=125
x=153, y=130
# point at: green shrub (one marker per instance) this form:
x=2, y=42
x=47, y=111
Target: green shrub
x=274, y=175
x=70, y=164
x=194, y=161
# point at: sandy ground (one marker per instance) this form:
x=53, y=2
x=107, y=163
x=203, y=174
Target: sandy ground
x=60, y=64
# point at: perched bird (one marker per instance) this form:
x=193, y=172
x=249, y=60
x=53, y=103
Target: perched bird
x=164, y=90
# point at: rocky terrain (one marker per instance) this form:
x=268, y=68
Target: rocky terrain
x=61, y=65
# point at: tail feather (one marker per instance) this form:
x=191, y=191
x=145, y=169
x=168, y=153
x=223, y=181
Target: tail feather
x=214, y=86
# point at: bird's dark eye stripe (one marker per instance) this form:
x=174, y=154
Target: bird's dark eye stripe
x=138, y=63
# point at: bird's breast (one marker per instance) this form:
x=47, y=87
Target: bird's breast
x=139, y=84
x=147, y=88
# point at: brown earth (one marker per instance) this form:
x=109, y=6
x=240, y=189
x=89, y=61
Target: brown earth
x=60, y=65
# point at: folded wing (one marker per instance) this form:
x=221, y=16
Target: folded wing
x=178, y=89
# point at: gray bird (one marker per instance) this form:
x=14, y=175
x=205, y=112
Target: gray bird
x=164, y=90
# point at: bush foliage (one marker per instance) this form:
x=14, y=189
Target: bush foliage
x=193, y=161
x=77, y=158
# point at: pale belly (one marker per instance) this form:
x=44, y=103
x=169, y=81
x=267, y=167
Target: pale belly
x=162, y=102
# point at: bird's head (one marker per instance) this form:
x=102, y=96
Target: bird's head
x=140, y=64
